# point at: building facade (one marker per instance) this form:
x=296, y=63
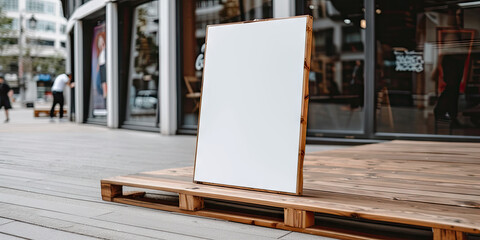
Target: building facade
x=34, y=49
x=380, y=69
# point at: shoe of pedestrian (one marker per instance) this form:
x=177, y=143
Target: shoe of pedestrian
x=52, y=120
x=6, y=120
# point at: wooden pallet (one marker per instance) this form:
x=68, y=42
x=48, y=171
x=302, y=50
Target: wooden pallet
x=191, y=201
x=443, y=194
x=46, y=112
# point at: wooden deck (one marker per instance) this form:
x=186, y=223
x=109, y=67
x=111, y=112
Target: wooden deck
x=420, y=184
x=49, y=184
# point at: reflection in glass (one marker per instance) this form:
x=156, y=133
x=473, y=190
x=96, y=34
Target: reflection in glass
x=428, y=67
x=337, y=66
x=196, y=16
x=142, y=102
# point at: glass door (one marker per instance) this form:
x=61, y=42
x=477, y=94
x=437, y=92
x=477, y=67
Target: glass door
x=337, y=73
x=142, y=98
x=428, y=68
x=196, y=15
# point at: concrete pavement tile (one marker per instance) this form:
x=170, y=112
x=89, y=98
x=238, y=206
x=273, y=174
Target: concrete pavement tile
x=52, y=205
x=41, y=233
x=192, y=225
x=303, y=236
x=10, y=237
x=5, y=220
x=137, y=230
x=32, y=216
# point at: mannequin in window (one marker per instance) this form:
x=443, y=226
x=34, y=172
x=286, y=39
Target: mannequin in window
x=452, y=63
x=356, y=85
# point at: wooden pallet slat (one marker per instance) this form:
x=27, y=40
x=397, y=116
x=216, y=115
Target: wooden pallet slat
x=190, y=203
x=299, y=218
x=110, y=191
x=445, y=234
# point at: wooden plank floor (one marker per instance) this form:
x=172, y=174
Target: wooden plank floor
x=430, y=172
x=428, y=184
x=49, y=174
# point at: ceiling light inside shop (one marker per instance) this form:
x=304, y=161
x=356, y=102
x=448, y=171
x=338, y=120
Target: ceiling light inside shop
x=469, y=4
x=347, y=21
x=363, y=23
x=378, y=11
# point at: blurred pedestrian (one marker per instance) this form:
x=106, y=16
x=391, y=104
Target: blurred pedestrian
x=5, y=94
x=57, y=90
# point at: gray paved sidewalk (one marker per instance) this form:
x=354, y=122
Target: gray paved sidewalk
x=49, y=184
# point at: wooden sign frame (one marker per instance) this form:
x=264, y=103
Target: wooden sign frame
x=304, y=107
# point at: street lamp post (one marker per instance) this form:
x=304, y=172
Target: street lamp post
x=20, y=61
x=32, y=24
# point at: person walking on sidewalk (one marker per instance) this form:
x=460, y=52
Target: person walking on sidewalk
x=5, y=94
x=57, y=90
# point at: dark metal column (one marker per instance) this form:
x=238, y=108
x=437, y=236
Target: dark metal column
x=369, y=99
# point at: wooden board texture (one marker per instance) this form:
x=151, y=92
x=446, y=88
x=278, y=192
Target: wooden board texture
x=427, y=184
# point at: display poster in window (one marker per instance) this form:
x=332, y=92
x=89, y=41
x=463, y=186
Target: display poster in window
x=99, y=76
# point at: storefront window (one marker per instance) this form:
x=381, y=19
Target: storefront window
x=98, y=77
x=142, y=104
x=428, y=67
x=196, y=15
x=337, y=66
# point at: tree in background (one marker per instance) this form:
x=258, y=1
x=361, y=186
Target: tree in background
x=6, y=39
x=5, y=29
x=54, y=65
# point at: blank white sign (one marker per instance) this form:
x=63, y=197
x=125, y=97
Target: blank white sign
x=249, y=130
